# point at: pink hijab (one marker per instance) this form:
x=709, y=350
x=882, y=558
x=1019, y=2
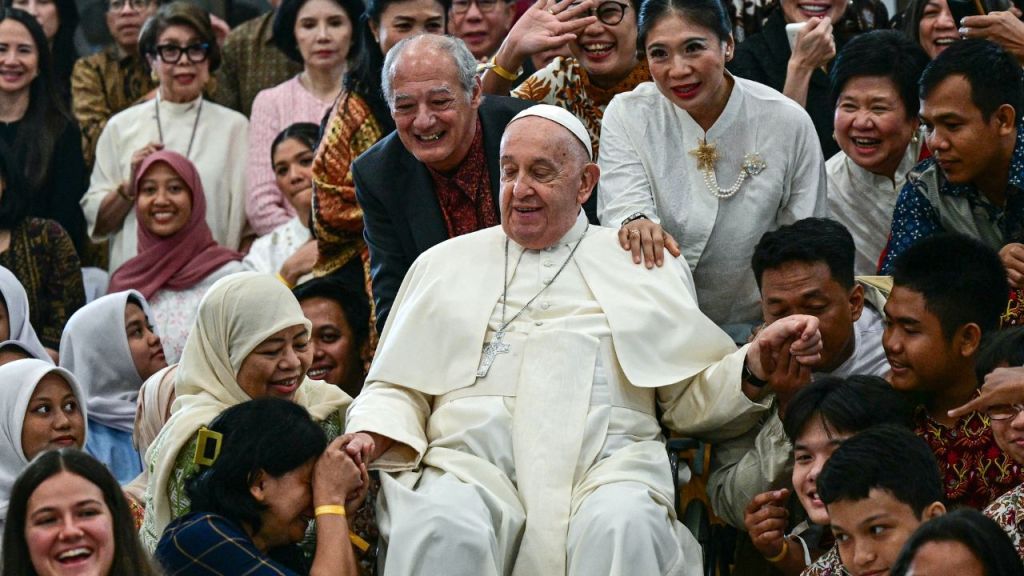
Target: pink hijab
x=181, y=260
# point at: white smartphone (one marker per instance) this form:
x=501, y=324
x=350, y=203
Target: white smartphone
x=792, y=30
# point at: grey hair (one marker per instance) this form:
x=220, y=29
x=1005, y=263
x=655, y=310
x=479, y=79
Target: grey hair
x=456, y=49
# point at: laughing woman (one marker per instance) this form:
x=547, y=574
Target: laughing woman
x=250, y=341
x=180, y=47
x=178, y=259
x=713, y=160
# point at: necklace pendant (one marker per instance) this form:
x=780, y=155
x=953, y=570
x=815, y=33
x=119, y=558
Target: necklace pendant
x=707, y=156
x=753, y=164
x=490, y=353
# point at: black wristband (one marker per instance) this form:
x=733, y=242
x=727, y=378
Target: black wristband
x=749, y=377
x=632, y=217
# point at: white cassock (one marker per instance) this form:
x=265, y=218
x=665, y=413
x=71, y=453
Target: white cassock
x=554, y=463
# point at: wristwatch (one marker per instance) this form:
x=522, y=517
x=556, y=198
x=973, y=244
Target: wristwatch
x=749, y=377
x=632, y=217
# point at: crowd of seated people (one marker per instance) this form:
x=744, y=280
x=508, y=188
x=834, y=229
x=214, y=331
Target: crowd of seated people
x=414, y=286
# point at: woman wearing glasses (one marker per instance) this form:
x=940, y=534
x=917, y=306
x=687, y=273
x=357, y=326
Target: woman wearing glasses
x=179, y=46
x=115, y=78
x=604, y=58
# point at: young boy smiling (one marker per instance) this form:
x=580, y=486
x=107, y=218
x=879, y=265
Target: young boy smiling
x=878, y=487
x=948, y=290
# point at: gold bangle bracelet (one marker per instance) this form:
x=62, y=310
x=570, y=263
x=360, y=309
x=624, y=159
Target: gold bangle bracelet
x=331, y=509
x=502, y=72
x=773, y=559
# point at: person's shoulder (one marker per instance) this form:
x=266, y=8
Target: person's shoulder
x=197, y=530
x=248, y=31
x=460, y=246
x=92, y=61
x=502, y=108
x=639, y=103
x=225, y=114
x=779, y=102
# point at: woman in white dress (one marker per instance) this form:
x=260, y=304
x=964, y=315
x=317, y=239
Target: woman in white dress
x=706, y=159
x=181, y=49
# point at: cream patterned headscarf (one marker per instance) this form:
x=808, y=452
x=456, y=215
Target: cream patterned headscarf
x=238, y=313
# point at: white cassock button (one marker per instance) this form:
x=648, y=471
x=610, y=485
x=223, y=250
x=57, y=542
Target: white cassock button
x=539, y=323
x=546, y=280
x=548, y=263
x=545, y=305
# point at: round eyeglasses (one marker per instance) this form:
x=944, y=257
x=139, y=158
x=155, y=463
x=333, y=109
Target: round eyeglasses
x=171, y=53
x=608, y=12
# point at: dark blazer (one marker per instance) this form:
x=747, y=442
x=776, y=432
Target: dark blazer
x=764, y=58
x=401, y=214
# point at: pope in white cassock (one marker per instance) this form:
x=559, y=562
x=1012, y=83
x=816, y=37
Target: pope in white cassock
x=512, y=402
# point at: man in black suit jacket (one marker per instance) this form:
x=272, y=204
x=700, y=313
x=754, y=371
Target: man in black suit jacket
x=437, y=103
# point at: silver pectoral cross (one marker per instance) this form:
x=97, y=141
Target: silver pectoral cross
x=491, y=351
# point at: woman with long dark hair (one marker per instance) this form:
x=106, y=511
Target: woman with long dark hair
x=59, y=19
x=40, y=254
x=87, y=507
x=36, y=126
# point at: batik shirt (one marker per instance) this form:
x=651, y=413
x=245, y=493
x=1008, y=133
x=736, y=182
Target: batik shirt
x=975, y=471
x=1008, y=512
x=929, y=204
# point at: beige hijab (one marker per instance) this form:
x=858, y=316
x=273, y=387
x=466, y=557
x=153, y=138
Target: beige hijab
x=238, y=313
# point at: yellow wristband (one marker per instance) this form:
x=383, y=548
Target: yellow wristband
x=285, y=281
x=773, y=559
x=501, y=72
x=332, y=509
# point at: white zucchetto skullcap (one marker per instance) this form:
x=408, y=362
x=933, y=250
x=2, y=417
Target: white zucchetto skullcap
x=562, y=117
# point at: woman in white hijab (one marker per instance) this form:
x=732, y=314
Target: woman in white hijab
x=109, y=345
x=40, y=409
x=14, y=318
x=250, y=340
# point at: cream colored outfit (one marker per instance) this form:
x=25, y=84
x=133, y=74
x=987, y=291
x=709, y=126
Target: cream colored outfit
x=219, y=153
x=553, y=463
x=238, y=313
x=646, y=166
x=863, y=202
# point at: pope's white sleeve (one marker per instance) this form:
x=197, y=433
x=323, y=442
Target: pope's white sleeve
x=397, y=413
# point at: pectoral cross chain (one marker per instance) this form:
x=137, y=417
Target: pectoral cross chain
x=491, y=351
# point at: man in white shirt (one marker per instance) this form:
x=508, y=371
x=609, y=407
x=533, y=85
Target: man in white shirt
x=802, y=268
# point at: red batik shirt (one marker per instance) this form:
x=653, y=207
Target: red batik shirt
x=975, y=471
x=465, y=196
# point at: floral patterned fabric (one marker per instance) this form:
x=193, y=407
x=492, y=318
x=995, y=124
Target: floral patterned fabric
x=43, y=258
x=828, y=565
x=975, y=470
x=465, y=196
x=917, y=215
x=1008, y=512
x=174, y=311
x=564, y=83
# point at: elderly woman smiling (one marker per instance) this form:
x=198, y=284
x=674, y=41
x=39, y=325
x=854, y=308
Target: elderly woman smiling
x=179, y=45
x=874, y=85
x=250, y=340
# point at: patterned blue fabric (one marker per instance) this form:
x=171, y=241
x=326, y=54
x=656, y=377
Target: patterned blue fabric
x=115, y=449
x=915, y=218
x=204, y=544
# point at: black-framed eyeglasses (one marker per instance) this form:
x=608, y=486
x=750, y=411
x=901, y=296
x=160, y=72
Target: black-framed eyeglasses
x=609, y=12
x=171, y=53
x=118, y=5
x=484, y=6
x=1004, y=411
